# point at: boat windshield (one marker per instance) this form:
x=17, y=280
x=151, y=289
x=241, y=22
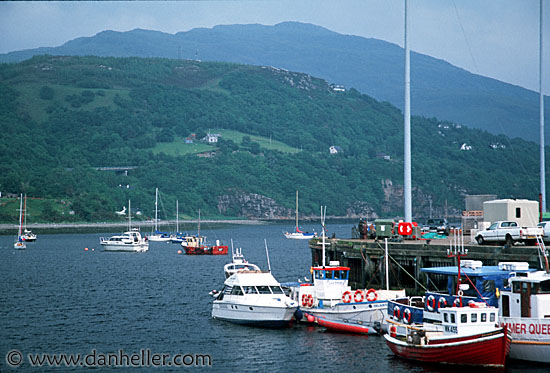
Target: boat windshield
x=276, y=290
x=264, y=289
x=250, y=290
x=331, y=274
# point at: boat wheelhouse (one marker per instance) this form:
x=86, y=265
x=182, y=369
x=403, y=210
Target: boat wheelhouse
x=239, y=264
x=525, y=309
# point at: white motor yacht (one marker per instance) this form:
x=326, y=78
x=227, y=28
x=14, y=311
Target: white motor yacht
x=128, y=241
x=254, y=297
x=239, y=264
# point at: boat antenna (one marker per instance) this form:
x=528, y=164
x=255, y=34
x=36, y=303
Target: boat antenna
x=323, y=216
x=407, y=125
x=267, y=254
x=456, y=250
x=387, y=264
x=541, y=118
x=232, y=253
x=129, y=216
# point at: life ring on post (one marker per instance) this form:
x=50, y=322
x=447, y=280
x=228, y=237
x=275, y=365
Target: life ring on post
x=396, y=312
x=310, y=300
x=442, y=303
x=372, y=295
x=407, y=316
x=346, y=297
x=430, y=303
x=304, y=300
x=358, y=296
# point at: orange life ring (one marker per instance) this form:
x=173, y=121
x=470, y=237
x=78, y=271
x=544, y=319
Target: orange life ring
x=396, y=312
x=407, y=316
x=442, y=303
x=346, y=297
x=304, y=300
x=358, y=296
x=431, y=303
x=310, y=300
x=372, y=295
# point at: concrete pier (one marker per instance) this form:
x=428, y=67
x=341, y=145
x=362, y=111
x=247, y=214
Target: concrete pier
x=366, y=259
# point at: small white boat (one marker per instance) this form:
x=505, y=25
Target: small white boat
x=27, y=235
x=239, y=264
x=254, y=298
x=19, y=244
x=130, y=240
x=298, y=234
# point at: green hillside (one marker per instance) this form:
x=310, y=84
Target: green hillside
x=63, y=118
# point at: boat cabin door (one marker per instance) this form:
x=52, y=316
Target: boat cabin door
x=524, y=289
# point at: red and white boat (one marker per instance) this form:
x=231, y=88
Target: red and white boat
x=466, y=336
x=525, y=309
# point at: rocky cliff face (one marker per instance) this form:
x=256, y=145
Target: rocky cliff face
x=251, y=205
x=256, y=206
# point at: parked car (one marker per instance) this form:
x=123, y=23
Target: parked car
x=439, y=225
x=545, y=225
x=508, y=232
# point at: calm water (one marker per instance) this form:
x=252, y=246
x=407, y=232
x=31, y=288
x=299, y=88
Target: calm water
x=58, y=298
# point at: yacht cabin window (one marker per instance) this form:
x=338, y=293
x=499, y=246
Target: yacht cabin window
x=445, y=317
x=473, y=317
x=276, y=290
x=483, y=317
x=492, y=317
x=453, y=318
x=250, y=290
x=463, y=318
x=264, y=289
x=237, y=290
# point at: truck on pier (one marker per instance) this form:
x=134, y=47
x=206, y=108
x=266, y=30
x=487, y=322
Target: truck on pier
x=508, y=233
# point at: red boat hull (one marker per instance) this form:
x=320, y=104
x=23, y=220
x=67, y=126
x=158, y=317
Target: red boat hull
x=489, y=349
x=206, y=250
x=343, y=327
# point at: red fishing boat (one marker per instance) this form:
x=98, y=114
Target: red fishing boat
x=466, y=336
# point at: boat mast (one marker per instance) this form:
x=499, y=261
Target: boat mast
x=177, y=217
x=156, y=208
x=407, y=125
x=296, y=211
x=20, y=216
x=129, y=216
x=323, y=216
x=199, y=229
x=267, y=254
x=541, y=104
x=25, y=213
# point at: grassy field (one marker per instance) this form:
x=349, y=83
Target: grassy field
x=179, y=147
x=36, y=107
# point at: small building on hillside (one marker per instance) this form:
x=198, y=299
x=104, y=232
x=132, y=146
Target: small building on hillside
x=335, y=149
x=212, y=138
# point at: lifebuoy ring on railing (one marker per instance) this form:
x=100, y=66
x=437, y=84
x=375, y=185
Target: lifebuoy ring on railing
x=396, y=312
x=372, y=295
x=407, y=316
x=310, y=300
x=442, y=303
x=346, y=297
x=430, y=303
x=456, y=302
x=358, y=296
x=304, y=300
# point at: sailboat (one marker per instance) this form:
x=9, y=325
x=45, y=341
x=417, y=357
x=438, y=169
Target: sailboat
x=158, y=236
x=298, y=234
x=178, y=237
x=20, y=244
x=28, y=236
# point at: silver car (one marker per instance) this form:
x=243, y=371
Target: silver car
x=546, y=227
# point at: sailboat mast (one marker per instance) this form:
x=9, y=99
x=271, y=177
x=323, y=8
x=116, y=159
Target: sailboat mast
x=129, y=216
x=296, y=211
x=323, y=216
x=156, y=208
x=177, y=217
x=25, y=212
x=541, y=104
x=20, y=215
x=199, y=229
x=407, y=124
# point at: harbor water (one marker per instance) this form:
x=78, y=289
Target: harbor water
x=58, y=298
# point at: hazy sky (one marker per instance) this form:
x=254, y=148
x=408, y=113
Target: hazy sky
x=496, y=38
